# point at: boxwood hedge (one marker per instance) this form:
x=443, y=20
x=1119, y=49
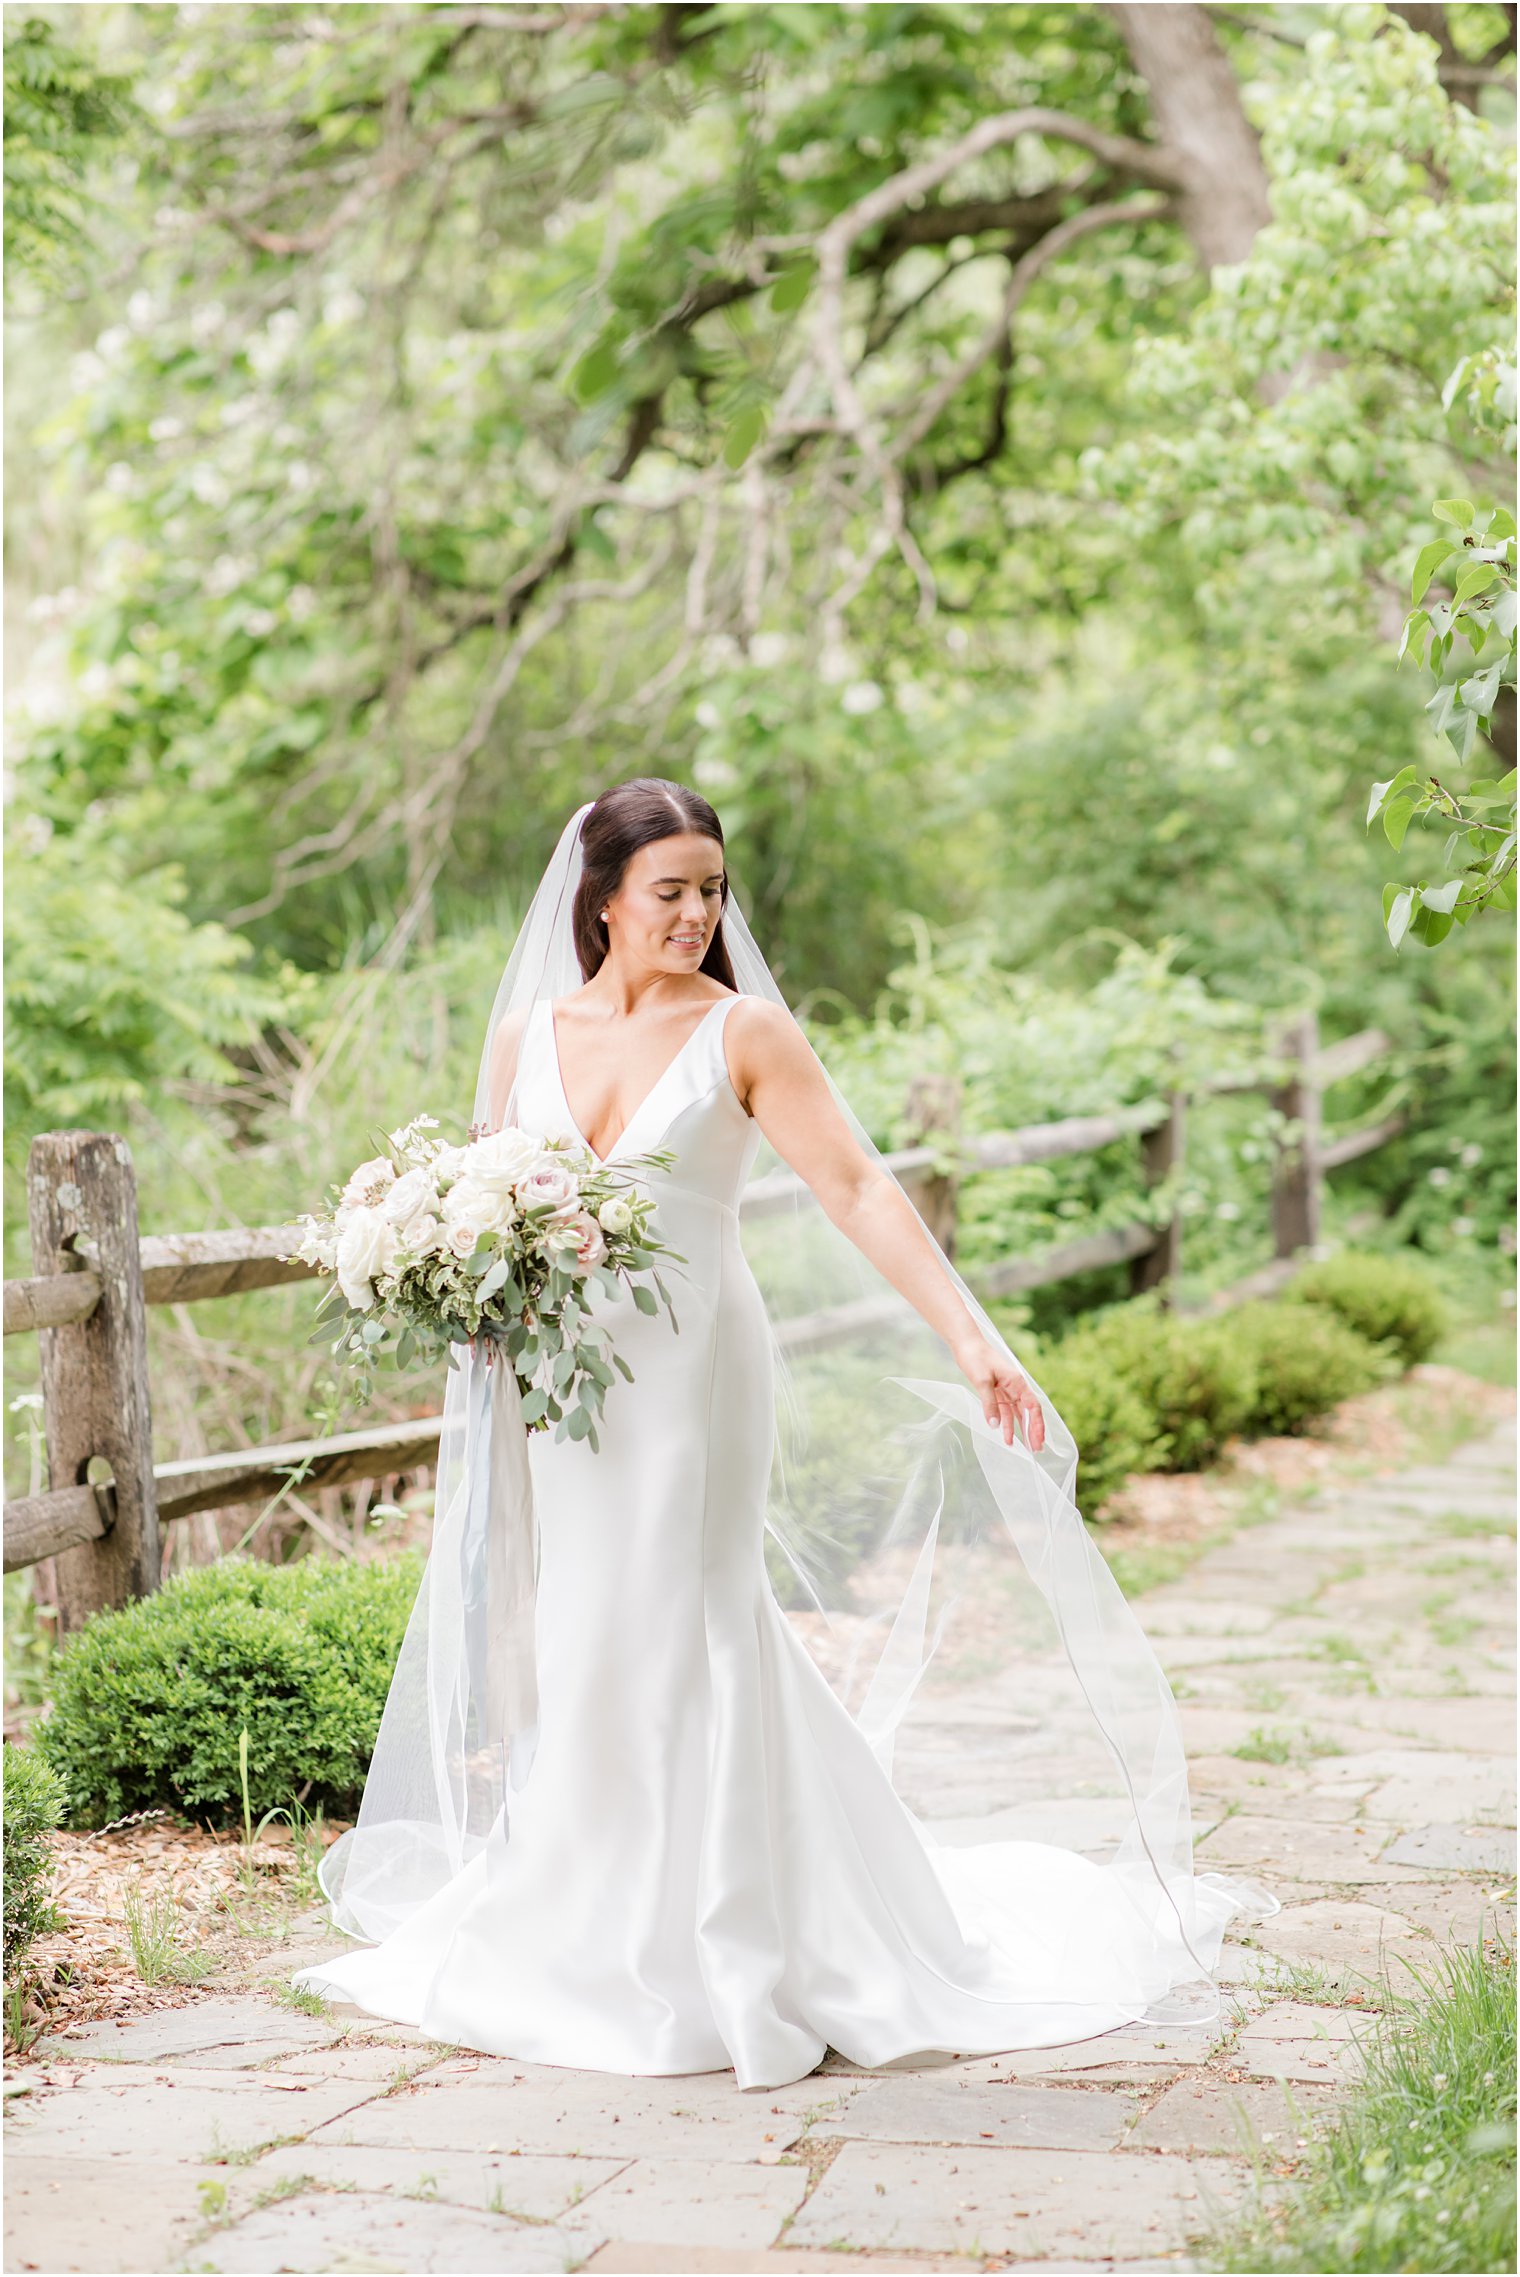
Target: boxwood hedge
x=149, y=1701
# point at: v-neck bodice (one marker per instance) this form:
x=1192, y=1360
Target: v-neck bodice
x=691, y=1107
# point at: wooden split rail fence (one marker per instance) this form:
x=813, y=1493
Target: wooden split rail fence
x=94, y=1276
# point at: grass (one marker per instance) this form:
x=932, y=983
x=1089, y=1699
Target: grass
x=152, y=1933
x=1482, y=1348
x=1450, y=1629
x=1418, y=2171
x=1462, y=1526
x=1262, y=1746
x=300, y=1997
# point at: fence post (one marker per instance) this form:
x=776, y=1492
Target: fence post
x=934, y=1110
x=1296, y=1173
x=95, y=1371
x=1162, y=1151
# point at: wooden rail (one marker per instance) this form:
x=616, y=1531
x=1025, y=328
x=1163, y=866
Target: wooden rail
x=95, y=1277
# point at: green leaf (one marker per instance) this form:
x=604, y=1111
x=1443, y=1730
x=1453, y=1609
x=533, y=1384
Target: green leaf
x=598, y=369
x=579, y=1423
x=1430, y=925
x=644, y=1298
x=1427, y=562
x=1380, y=791
x=1442, y=897
x=535, y=1405
x=1458, y=511
x=1398, y=815
x=792, y=287
x=1477, y=579
x=1398, y=908
x=744, y=433
x=1416, y=623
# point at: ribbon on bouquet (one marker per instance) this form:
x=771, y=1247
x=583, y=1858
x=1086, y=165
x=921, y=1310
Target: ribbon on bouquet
x=498, y=1559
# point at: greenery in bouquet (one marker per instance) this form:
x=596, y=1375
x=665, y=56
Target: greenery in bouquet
x=503, y=1242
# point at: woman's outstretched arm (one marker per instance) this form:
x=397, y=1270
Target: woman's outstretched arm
x=779, y=1080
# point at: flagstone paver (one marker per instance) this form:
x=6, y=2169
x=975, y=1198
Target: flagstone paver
x=1233, y=2117
x=1087, y=2205
x=1346, y=1675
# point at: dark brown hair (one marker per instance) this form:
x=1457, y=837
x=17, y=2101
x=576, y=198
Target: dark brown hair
x=623, y=819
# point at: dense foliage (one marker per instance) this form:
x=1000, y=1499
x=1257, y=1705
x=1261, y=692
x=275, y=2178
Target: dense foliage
x=149, y=1702
x=868, y=414
x=1142, y=1389
x=35, y=1800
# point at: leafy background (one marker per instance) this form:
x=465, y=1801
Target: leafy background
x=424, y=416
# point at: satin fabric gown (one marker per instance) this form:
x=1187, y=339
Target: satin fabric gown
x=706, y=1865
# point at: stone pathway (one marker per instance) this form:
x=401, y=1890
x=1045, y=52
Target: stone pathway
x=1346, y=1678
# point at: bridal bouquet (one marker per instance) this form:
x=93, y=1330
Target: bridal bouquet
x=501, y=1241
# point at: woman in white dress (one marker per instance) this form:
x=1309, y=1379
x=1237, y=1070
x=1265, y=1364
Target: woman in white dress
x=628, y=1813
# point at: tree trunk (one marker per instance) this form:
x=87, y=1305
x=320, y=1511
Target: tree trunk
x=1196, y=105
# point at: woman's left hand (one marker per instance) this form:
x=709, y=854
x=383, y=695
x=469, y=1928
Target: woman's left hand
x=1003, y=1391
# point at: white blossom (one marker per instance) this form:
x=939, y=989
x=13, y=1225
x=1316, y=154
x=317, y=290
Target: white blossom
x=501, y=1159
x=369, y=1182
x=366, y=1246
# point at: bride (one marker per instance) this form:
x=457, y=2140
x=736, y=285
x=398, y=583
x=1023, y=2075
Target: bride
x=640, y=1798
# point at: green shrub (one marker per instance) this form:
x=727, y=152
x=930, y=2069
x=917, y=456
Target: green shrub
x=149, y=1701
x=1197, y=1379
x=35, y=1801
x=1306, y=1360
x=1385, y=1299
x=1114, y=1425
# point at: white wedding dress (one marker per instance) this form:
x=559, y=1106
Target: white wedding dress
x=708, y=1865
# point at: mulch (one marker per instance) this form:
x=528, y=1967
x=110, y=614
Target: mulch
x=231, y=1905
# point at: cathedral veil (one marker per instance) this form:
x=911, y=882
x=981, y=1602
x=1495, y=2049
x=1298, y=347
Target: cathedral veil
x=943, y=1582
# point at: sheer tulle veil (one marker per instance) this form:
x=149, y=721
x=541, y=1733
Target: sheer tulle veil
x=945, y=1583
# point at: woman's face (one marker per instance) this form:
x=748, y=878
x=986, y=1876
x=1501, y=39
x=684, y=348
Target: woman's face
x=666, y=910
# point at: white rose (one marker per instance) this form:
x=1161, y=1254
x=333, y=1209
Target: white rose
x=369, y=1181
x=449, y=1161
x=616, y=1214
x=580, y=1233
x=462, y=1237
x=366, y=1247
x=591, y=1246
x=422, y=1233
x=500, y=1159
x=493, y=1207
x=409, y=1196
x=550, y=1187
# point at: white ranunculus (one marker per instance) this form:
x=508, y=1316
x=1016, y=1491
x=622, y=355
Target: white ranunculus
x=501, y=1158
x=367, y=1246
x=616, y=1214
x=369, y=1181
x=412, y=1193
x=551, y=1186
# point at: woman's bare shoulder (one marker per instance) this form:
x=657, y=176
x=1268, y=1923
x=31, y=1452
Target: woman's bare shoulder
x=762, y=1034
